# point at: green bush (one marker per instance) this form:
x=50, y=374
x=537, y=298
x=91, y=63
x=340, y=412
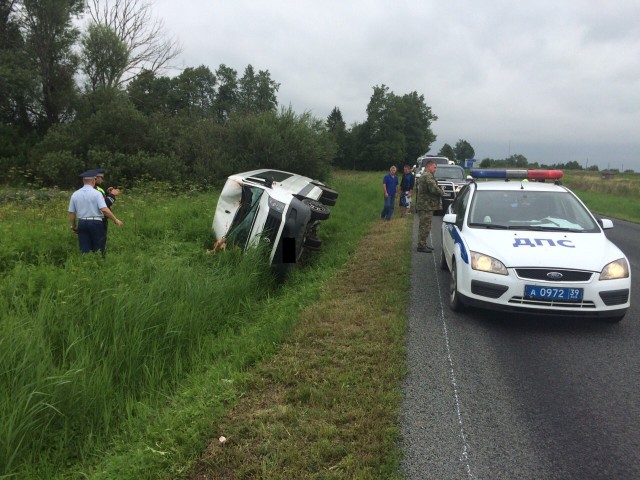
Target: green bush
x=60, y=168
x=109, y=132
x=284, y=141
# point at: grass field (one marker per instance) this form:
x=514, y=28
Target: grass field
x=617, y=196
x=128, y=367
x=116, y=368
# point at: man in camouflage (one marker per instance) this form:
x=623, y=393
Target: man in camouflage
x=429, y=198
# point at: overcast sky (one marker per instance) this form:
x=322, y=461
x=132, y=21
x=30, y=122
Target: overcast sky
x=553, y=80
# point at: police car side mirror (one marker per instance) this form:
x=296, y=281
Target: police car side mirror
x=605, y=223
x=450, y=218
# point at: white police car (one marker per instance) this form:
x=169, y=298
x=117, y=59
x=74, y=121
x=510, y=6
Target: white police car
x=521, y=245
x=281, y=209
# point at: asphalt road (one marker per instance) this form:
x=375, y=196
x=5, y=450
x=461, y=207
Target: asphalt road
x=493, y=396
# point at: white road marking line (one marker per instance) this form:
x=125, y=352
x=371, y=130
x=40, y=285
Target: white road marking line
x=465, y=447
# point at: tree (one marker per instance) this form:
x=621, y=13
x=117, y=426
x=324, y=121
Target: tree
x=50, y=36
x=247, y=90
x=150, y=94
x=335, y=122
x=18, y=75
x=257, y=93
x=148, y=47
x=514, y=161
x=227, y=98
x=572, y=165
x=193, y=92
x=417, y=117
x=517, y=160
x=381, y=137
x=105, y=56
x=464, y=151
x=338, y=129
x=397, y=130
x=266, y=100
x=447, y=151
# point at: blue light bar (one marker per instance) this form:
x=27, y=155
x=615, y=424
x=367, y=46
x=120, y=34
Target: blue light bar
x=520, y=174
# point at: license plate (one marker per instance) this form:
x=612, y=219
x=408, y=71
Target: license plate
x=553, y=293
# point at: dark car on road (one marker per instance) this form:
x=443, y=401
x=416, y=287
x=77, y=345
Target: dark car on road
x=451, y=179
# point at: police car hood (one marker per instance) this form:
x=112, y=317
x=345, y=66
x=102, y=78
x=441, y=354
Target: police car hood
x=522, y=248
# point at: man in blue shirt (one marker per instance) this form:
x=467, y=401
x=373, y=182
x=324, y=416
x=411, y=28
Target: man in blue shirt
x=406, y=190
x=389, y=186
x=87, y=208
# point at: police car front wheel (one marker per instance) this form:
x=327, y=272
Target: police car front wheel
x=455, y=302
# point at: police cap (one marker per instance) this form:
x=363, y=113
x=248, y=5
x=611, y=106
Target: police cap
x=88, y=174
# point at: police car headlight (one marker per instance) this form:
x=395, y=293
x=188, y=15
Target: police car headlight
x=485, y=263
x=276, y=205
x=616, y=269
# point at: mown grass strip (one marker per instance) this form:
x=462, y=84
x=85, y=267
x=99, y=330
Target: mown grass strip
x=326, y=406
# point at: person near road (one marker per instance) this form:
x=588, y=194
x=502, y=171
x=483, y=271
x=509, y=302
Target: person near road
x=406, y=190
x=389, y=187
x=87, y=209
x=429, y=198
x=110, y=197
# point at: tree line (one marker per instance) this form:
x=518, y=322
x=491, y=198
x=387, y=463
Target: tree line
x=521, y=162
x=72, y=99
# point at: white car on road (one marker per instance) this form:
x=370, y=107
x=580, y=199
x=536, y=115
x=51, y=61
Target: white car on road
x=524, y=246
x=422, y=160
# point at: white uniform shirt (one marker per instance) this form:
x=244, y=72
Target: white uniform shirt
x=87, y=202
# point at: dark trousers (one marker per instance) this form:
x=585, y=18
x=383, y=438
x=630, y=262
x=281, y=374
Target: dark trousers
x=425, y=218
x=105, y=222
x=389, y=204
x=91, y=236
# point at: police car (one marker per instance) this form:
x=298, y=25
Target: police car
x=517, y=244
x=281, y=209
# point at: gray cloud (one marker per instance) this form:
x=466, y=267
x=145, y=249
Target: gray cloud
x=555, y=80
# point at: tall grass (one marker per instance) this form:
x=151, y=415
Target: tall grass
x=89, y=344
x=615, y=196
x=83, y=339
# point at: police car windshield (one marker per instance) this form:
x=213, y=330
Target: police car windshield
x=530, y=210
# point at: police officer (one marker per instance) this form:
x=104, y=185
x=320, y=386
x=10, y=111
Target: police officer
x=429, y=198
x=87, y=209
x=109, y=197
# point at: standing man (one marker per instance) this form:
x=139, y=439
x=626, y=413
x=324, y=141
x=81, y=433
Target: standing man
x=406, y=190
x=429, y=197
x=109, y=198
x=389, y=186
x=87, y=209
